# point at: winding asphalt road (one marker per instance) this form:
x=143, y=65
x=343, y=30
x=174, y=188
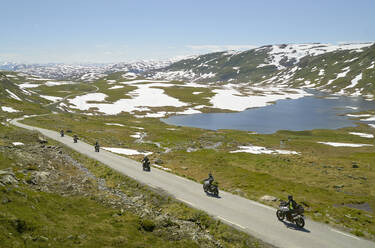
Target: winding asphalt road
x=246, y=215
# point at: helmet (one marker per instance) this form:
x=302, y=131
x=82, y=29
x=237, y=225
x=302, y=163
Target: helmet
x=290, y=197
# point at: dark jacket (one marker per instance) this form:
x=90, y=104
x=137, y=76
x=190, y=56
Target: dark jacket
x=292, y=204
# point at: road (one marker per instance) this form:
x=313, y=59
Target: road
x=249, y=216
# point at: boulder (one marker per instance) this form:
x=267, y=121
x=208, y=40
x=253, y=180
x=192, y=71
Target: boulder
x=159, y=161
x=42, y=139
x=268, y=198
x=355, y=165
x=41, y=176
x=7, y=177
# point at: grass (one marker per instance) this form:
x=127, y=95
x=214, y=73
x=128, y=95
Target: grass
x=64, y=90
x=312, y=177
x=32, y=218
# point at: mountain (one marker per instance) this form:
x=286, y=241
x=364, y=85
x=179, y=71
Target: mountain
x=84, y=72
x=345, y=68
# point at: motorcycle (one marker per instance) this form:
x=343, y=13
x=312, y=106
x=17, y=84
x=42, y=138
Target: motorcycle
x=146, y=166
x=96, y=148
x=211, y=188
x=296, y=217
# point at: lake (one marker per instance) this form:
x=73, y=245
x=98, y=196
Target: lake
x=306, y=113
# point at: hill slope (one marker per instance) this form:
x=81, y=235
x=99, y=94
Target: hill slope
x=347, y=68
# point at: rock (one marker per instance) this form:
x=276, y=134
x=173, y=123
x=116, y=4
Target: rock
x=5, y=200
x=82, y=236
x=137, y=198
x=355, y=165
x=42, y=139
x=159, y=161
x=42, y=238
x=3, y=172
x=184, y=168
x=41, y=176
x=69, y=187
x=86, y=181
x=268, y=198
x=7, y=177
x=31, y=180
x=338, y=186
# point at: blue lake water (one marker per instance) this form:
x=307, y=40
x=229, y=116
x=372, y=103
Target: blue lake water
x=306, y=113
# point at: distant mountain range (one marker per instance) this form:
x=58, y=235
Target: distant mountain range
x=85, y=72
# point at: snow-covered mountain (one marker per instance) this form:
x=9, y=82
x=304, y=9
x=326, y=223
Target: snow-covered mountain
x=85, y=72
x=344, y=68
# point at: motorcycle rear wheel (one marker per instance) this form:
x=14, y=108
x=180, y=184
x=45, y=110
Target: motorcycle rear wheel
x=300, y=222
x=216, y=192
x=280, y=216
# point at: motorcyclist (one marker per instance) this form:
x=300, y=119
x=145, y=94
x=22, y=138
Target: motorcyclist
x=96, y=146
x=62, y=133
x=145, y=161
x=292, y=205
x=75, y=138
x=210, y=178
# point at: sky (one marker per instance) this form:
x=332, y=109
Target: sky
x=105, y=31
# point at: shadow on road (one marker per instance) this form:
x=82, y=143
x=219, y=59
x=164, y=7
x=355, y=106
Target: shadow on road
x=294, y=227
x=212, y=195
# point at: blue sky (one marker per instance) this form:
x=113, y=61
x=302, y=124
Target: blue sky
x=72, y=31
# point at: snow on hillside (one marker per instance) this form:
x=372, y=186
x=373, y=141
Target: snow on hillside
x=149, y=93
x=12, y=95
x=9, y=109
x=295, y=52
x=230, y=98
x=143, y=97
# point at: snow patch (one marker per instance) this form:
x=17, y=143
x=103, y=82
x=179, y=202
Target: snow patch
x=55, y=83
x=114, y=124
x=372, y=118
x=116, y=87
x=161, y=167
x=337, y=144
x=354, y=81
x=232, y=99
x=9, y=109
x=18, y=143
x=137, y=135
x=51, y=98
x=262, y=150
x=129, y=75
x=363, y=135
x=28, y=85
x=358, y=116
x=12, y=95
x=144, y=96
x=126, y=151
